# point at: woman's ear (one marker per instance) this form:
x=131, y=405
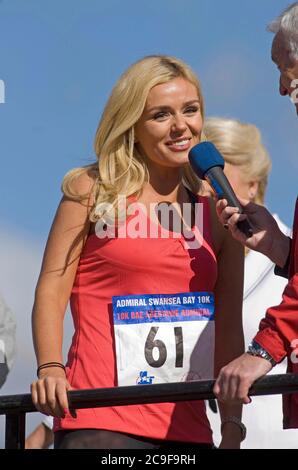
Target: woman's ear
x=253, y=188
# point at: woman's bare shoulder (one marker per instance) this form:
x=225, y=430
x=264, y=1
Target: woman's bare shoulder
x=80, y=185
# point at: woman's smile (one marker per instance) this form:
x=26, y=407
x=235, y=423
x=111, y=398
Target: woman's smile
x=179, y=145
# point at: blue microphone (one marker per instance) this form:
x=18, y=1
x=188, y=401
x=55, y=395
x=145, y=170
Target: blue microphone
x=208, y=164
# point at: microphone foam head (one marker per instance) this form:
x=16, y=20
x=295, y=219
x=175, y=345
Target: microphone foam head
x=203, y=157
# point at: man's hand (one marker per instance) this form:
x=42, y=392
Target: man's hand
x=267, y=238
x=235, y=379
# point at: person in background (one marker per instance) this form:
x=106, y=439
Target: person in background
x=247, y=166
x=42, y=437
x=278, y=332
x=7, y=340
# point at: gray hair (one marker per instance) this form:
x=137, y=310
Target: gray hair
x=287, y=25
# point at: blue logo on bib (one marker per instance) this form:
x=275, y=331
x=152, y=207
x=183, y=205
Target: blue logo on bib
x=144, y=378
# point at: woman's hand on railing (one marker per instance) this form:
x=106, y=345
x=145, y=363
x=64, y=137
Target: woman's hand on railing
x=49, y=393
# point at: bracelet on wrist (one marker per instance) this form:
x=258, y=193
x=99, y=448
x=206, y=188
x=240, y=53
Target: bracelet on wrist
x=237, y=421
x=254, y=349
x=50, y=364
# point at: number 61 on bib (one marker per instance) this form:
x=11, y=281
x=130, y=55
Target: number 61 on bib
x=164, y=337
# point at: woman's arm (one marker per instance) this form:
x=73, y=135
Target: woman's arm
x=41, y=438
x=66, y=240
x=229, y=339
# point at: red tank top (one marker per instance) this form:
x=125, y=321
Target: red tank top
x=123, y=267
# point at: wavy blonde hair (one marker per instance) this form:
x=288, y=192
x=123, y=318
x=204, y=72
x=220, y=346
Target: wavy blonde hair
x=120, y=168
x=241, y=145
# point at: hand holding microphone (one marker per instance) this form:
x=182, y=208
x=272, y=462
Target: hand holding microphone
x=208, y=164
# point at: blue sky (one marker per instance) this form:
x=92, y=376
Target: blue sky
x=59, y=60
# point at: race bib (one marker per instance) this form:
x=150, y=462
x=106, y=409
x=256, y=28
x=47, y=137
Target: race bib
x=164, y=337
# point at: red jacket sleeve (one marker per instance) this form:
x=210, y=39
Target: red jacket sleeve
x=280, y=326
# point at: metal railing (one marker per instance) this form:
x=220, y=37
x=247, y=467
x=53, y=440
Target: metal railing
x=15, y=407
